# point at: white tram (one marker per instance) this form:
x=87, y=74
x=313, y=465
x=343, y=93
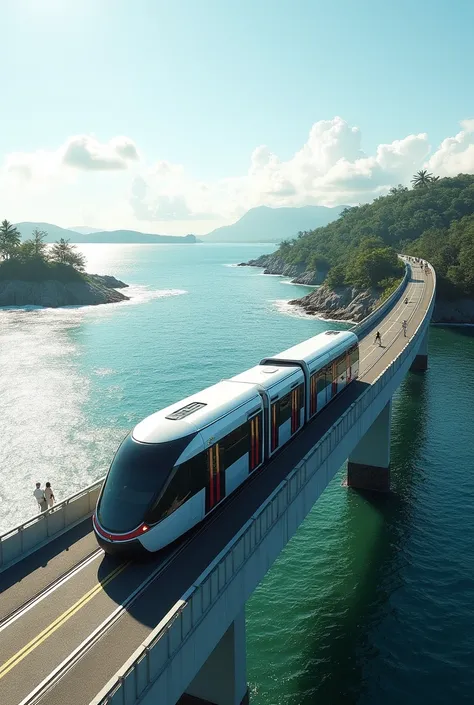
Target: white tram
x=177, y=465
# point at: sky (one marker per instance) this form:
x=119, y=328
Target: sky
x=178, y=117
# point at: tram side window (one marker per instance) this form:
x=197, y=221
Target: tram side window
x=235, y=445
x=354, y=354
x=322, y=383
x=190, y=477
x=328, y=374
x=341, y=365
x=284, y=409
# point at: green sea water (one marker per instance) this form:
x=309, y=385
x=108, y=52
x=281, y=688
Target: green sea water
x=373, y=599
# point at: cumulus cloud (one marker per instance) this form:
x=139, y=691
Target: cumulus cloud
x=329, y=169
x=455, y=154
x=85, y=152
x=81, y=152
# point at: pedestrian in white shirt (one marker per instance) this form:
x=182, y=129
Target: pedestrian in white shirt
x=40, y=497
x=48, y=493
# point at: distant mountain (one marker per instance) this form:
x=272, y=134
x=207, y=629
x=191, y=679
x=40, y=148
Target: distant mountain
x=54, y=232
x=84, y=229
x=265, y=224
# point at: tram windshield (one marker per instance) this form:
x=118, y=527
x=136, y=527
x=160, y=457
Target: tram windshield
x=137, y=474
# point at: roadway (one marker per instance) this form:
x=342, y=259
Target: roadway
x=71, y=616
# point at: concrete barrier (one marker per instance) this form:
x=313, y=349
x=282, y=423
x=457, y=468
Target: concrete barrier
x=22, y=540
x=148, y=676
x=364, y=326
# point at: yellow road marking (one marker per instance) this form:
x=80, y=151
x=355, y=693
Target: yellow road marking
x=62, y=619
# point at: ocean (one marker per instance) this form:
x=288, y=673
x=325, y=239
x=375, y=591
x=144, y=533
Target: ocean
x=374, y=596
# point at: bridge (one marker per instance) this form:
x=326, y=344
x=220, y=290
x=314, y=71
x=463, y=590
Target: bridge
x=80, y=627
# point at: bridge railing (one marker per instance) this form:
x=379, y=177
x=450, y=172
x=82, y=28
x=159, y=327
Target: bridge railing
x=364, y=326
x=225, y=578
x=35, y=532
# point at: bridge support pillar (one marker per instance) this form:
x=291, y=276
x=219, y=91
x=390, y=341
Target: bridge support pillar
x=369, y=463
x=223, y=678
x=420, y=363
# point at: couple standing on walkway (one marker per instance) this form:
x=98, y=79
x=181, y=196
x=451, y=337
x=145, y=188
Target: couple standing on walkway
x=45, y=498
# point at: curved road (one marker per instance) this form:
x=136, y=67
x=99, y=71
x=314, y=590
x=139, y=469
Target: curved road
x=55, y=604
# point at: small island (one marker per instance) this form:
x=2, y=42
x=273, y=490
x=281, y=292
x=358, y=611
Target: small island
x=31, y=274
x=353, y=260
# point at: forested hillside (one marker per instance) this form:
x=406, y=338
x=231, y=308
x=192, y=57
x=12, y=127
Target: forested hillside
x=434, y=220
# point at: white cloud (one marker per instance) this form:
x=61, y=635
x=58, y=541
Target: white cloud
x=330, y=169
x=81, y=152
x=84, y=152
x=455, y=154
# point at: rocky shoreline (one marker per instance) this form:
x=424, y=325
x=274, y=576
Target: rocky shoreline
x=274, y=265
x=96, y=289
x=347, y=303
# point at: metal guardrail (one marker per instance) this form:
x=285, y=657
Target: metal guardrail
x=42, y=528
x=149, y=662
x=365, y=325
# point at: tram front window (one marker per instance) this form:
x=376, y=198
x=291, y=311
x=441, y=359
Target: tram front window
x=138, y=472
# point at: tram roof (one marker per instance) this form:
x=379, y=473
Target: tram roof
x=314, y=347
x=197, y=411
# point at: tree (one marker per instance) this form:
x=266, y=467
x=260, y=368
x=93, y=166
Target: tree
x=39, y=247
x=65, y=253
x=421, y=179
x=10, y=239
x=395, y=190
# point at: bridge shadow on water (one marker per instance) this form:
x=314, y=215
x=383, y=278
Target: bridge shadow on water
x=374, y=530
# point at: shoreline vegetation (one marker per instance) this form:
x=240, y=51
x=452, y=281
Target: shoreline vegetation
x=32, y=274
x=353, y=260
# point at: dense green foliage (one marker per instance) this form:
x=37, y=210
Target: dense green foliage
x=434, y=220
x=32, y=261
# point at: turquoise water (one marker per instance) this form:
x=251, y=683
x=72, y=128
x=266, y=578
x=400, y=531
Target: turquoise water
x=372, y=600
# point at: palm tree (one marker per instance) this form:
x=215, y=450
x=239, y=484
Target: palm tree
x=421, y=179
x=10, y=239
x=434, y=179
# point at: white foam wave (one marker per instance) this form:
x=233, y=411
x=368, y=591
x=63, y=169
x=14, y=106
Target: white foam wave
x=230, y=265
x=143, y=294
x=283, y=306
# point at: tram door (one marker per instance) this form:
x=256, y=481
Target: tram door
x=216, y=479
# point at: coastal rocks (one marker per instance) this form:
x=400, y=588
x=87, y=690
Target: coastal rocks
x=107, y=280
x=275, y=265
x=52, y=293
x=344, y=303
x=457, y=311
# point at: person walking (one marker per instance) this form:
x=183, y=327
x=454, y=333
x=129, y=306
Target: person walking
x=40, y=497
x=404, y=326
x=378, y=339
x=48, y=493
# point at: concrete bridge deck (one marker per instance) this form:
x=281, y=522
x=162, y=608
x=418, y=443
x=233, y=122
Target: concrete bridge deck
x=52, y=601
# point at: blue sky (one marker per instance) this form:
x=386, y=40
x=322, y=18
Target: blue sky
x=193, y=88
